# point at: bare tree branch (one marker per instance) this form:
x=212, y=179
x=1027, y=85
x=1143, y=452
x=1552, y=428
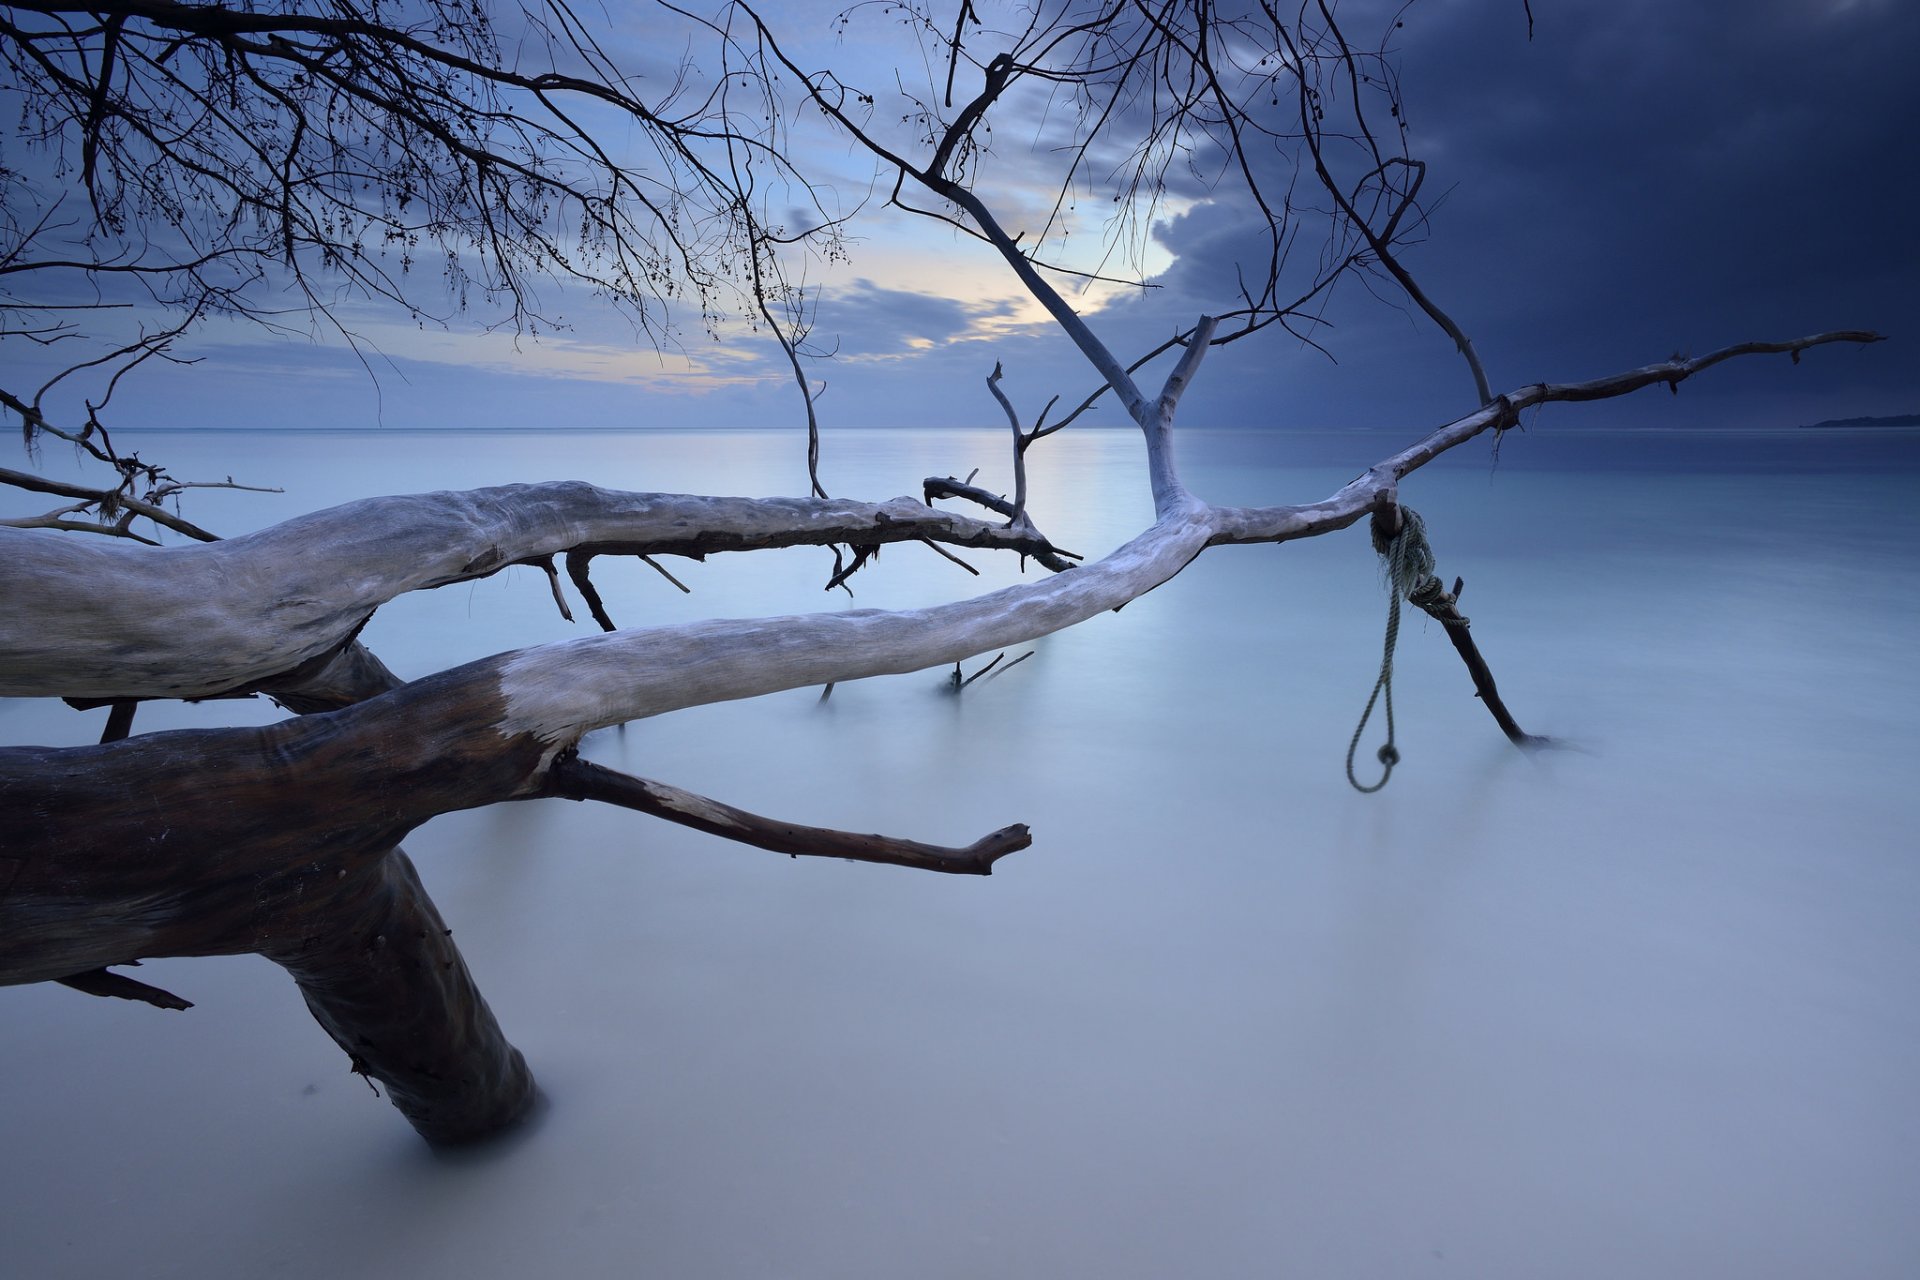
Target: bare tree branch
x=572, y=778
x=336, y=567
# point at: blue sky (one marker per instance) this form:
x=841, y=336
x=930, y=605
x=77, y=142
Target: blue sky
x=1637, y=179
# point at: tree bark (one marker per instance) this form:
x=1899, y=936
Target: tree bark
x=388, y=984
x=113, y=620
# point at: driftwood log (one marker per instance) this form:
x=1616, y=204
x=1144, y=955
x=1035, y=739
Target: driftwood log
x=315, y=134
x=284, y=840
x=105, y=620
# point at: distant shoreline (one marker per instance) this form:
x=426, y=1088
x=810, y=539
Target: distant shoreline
x=1894, y=420
x=1897, y=421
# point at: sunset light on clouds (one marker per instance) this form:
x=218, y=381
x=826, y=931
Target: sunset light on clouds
x=1632, y=180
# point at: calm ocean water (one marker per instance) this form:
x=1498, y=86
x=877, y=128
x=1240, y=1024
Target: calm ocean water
x=1642, y=1007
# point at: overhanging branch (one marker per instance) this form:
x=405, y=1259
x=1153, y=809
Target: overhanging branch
x=1378, y=483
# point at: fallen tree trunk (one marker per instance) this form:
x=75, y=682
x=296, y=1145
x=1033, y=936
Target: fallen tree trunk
x=382, y=976
x=283, y=839
x=106, y=620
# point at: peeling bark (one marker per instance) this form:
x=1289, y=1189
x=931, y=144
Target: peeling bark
x=110, y=620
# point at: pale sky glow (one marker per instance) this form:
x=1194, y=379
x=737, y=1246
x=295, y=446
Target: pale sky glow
x=700, y=370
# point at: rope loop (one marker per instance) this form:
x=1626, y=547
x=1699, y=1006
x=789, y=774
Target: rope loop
x=1406, y=561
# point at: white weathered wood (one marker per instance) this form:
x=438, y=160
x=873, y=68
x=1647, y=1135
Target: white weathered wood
x=560, y=691
x=103, y=619
x=107, y=619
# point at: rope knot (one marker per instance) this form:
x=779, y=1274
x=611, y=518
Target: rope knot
x=1429, y=590
x=1406, y=562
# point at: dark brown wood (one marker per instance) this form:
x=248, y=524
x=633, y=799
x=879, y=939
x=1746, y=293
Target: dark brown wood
x=1432, y=598
x=119, y=720
x=572, y=778
x=280, y=840
x=118, y=986
x=158, y=514
x=350, y=675
x=1048, y=556
x=578, y=565
x=1442, y=606
x=386, y=981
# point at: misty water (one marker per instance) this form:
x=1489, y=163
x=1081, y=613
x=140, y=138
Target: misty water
x=1646, y=1006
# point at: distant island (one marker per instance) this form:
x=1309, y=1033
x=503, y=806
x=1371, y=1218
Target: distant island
x=1896, y=420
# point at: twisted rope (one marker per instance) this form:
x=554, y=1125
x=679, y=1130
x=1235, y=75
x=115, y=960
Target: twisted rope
x=1406, y=561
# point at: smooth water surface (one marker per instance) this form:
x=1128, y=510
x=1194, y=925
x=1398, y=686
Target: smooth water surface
x=1642, y=1007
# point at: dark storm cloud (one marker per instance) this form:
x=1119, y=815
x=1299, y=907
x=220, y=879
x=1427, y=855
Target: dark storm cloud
x=1641, y=177
x=866, y=319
